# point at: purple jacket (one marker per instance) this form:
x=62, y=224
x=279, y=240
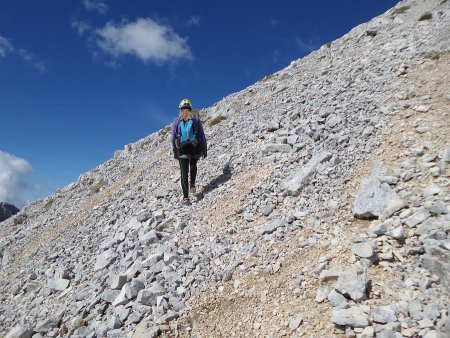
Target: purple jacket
x=198, y=131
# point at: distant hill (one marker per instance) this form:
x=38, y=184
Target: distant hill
x=7, y=210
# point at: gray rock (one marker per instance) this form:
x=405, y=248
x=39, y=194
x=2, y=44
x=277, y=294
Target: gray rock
x=117, y=333
x=118, y=281
x=152, y=259
x=142, y=331
x=376, y=199
x=148, y=237
x=113, y=323
x=296, y=183
x=160, y=193
x=169, y=258
x=157, y=267
x=104, y=259
x=266, y=210
x=49, y=323
x=273, y=125
x=149, y=296
x=325, y=111
x=166, y=318
x=322, y=294
x=365, y=250
x=276, y=148
x=435, y=334
x=437, y=209
x=20, y=331
x=386, y=334
x=58, y=284
x=272, y=226
x=109, y=295
x=295, y=323
x=355, y=316
x=128, y=292
x=333, y=120
x=330, y=275
x=352, y=283
x=437, y=260
x=159, y=215
x=383, y=314
x=417, y=218
x=122, y=312
x=336, y=299
x=228, y=272
x=398, y=233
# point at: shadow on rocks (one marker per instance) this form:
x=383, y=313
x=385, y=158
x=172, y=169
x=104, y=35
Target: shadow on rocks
x=216, y=182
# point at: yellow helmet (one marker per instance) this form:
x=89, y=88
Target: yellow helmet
x=185, y=104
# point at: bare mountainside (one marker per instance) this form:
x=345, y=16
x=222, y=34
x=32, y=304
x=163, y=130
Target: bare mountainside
x=323, y=209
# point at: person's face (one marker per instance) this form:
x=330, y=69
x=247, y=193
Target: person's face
x=185, y=114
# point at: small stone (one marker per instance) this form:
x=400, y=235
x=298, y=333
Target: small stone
x=104, y=259
x=20, y=331
x=159, y=215
x=386, y=334
x=336, y=299
x=368, y=332
x=383, y=314
x=295, y=323
x=365, y=250
x=398, y=233
x=354, y=316
x=322, y=294
x=109, y=295
x=353, y=283
x=118, y=281
x=417, y=218
x=272, y=226
x=266, y=210
x=58, y=284
x=49, y=323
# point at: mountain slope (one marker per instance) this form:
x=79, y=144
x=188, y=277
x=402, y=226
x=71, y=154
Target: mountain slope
x=276, y=203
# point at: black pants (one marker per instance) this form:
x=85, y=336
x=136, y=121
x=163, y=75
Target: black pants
x=188, y=166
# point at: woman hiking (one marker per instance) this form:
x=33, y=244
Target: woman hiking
x=188, y=145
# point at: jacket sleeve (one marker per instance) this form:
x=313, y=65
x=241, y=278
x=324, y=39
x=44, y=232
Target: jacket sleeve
x=174, y=137
x=202, y=138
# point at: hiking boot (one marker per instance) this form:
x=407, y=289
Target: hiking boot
x=193, y=190
x=185, y=201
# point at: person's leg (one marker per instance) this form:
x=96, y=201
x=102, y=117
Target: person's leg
x=184, y=169
x=193, y=170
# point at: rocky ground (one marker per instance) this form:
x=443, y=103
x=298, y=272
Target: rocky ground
x=323, y=209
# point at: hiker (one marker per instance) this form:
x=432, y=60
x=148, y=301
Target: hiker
x=188, y=144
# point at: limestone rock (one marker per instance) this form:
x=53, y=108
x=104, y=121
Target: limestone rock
x=352, y=283
x=376, y=199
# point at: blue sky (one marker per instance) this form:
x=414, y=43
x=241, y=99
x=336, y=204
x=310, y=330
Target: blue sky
x=80, y=79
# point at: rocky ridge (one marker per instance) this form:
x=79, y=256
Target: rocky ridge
x=7, y=210
x=273, y=223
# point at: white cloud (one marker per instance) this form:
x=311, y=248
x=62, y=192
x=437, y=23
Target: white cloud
x=7, y=48
x=81, y=26
x=311, y=44
x=12, y=178
x=145, y=39
x=96, y=5
x=194, y=21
